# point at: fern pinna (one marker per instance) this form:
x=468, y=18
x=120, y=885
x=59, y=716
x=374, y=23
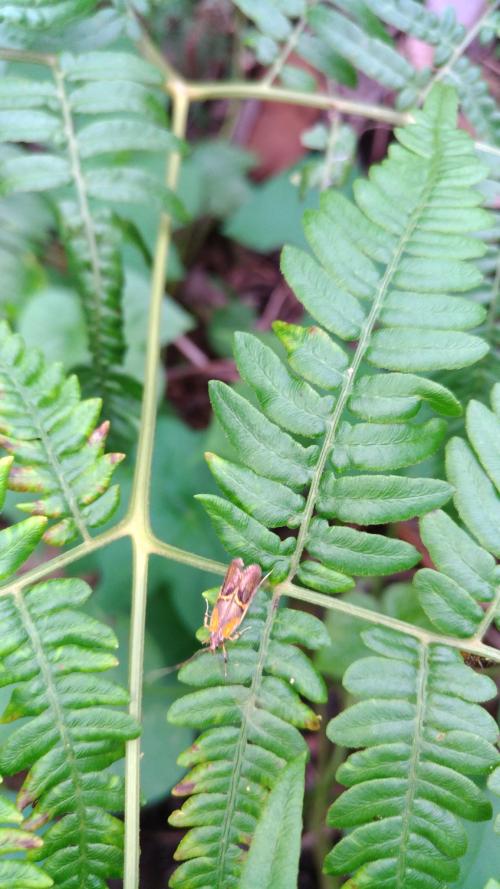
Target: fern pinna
x=73, y=725
x=323, y=440
x=426, y=736
x=91, y=106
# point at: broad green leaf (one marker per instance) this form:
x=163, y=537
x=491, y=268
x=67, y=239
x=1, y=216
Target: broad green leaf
x=102, y=66
x=133, y=186
x=29, y=126
x=370, y=55
x=20, y=92
x=312, y=354
x=319, y=577
x=273, y=860
x=334, y=308
x=483, y=429
x=450, y=607
x=271, y=503
x=414, y=349
x=244, y=536
x=259, y=443
x=356, y=552
x=37, y=172
x=430, y=310
x=455, y=554
x=285, y=399
x=123, y=134
x=375, y=499
x=91, y=98
x=397, y=396
x=386, y=446
x=475, y=497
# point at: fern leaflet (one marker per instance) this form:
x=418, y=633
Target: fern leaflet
x=58, y=450
x=70, y=733
x=118, y=92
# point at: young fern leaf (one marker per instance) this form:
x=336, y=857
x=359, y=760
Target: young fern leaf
x=118, y=93
x=249, y=724
x=58, y=450
x=52, y=653
x=327, y=437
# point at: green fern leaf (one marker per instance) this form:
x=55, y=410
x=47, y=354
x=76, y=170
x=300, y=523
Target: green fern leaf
x=369, y=54
x=250, y=731
x=412, y=18
x=58, y=451
x=301, y=461
x=273, y=860
x=103, y=85
x=467, y=574
x=18, y=874
x=299, y=452
x=70, y=731
x=423, y=734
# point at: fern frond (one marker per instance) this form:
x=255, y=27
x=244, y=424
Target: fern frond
x=58, y=450
x=52, y=653
x=383, y=285
x=423, y=730
x=467, y=572
x=18, y=874
x=327, y=437
x=424, y=734
x=249, y=725
x=99, y=103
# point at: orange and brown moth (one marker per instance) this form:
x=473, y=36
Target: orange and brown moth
x=233, y=601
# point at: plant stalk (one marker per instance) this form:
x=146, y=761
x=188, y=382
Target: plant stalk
x=138, y=515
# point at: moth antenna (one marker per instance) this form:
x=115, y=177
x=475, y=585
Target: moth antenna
x=154, y=675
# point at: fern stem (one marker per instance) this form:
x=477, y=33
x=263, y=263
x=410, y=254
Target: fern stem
x=92, y=544
x=459, y=50
x=288, y=48
x=202, y=92
x=132, y=849
x=138, y=515
x=415, y=756
x=95, y=332
x=159, y=548
x=241, y=744
x=26, y=55
x=489, y=616
x=470, y=645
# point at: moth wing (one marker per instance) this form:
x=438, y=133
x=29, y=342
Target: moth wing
x=249, y=582
x=232, y=579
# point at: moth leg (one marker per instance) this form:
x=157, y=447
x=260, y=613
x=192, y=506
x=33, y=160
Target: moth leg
x=224, y=653
x=237, y=635
x=206, y=619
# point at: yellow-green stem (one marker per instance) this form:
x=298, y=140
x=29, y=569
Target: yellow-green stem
x=138, y=515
